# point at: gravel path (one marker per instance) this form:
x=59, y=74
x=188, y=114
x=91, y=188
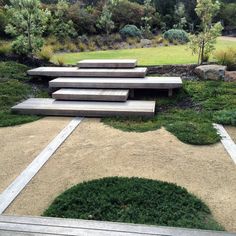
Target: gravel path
x=21, y=144
x=228, y=38
x=95, y=150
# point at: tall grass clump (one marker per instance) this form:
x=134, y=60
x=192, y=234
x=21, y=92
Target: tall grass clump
x=5, y=48
x=46, y=53
x=226, y=57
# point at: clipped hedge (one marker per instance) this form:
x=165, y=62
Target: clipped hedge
x=133, y=200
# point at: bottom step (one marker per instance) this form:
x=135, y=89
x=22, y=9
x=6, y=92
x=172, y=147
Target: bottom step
x=52, y=107
x=92, y=94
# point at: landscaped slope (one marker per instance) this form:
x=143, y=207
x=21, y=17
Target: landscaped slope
x=145, y=56
x=14, y=87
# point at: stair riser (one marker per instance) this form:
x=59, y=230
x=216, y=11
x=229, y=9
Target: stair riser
x=73, y=72
x=89, y=97
x=112, y=85
x=52, y=107
x=82, y=113
x=114, y=65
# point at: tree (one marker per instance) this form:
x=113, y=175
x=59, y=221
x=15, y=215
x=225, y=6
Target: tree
x=147, y=18
x=3, y=21
x=127, y=13
x=84, y=18
x=105, y=21
x=228, y=14
x=27, y=22
x=204, y=43
x=180, y=16
x=61, y=27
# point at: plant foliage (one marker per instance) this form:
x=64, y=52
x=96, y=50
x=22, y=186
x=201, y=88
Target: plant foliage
x=133, y=200
x=26, y=23
x=179, y=35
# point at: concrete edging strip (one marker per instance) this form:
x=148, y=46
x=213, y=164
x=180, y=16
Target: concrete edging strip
x=12, y=191
x=227, y=141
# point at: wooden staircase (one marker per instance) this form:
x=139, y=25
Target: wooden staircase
x=96, y=88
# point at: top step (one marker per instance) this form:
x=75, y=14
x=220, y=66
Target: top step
x=111, y=63
x=139, y=72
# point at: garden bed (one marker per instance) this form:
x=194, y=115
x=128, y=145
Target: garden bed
x=95, y=150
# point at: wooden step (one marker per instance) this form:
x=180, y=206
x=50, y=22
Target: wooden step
x=51, y=107
x=39, y=226
x=109, y=63
x=91, y=94
x=139, y=72
x=116, y=83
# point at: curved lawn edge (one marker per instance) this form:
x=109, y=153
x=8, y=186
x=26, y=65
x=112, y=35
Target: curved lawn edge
x=175, y=54
x=133, y=200
x=189, y=132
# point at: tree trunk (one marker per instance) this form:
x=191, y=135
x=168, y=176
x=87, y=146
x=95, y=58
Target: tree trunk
x=28, y=33
x=202, y=53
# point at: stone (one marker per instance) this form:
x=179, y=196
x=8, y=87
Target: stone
x=139, y=72
x=230, y=76
x=146, y=42
x=210, y=72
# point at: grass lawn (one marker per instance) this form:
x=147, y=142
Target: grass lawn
x=189, y=113
x=15, y=87
x=133, y=200
x=145, y=56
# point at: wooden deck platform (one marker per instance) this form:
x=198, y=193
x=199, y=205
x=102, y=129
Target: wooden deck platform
x=48, y=106
x=92, y=94
x=40, y=226
x=77, y=72
x=111, y=63
x=117, y=83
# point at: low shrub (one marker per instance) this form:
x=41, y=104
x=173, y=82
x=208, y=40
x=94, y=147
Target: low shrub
x=201, y=133
x=225, y=117
x=130, y=31
x=5, y=48
x=175, y=42
x=99, y=40
x=165, y=42
x=71, y=47
x=91, y=46
x=176, y=34
x=116, y=38
x=226, y=57
x=82, y=47
x=51, y=40
x=13, y=70
x=104, y=48
x=133, y=200
x=46, y=53
x=83, y=38
x=13, y=89
x=131, y=41
x=57, y=46
x=157, y=39
x=60, y=60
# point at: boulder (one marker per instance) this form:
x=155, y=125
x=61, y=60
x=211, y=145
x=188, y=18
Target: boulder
x=211, y=72
x=230, y=76
x=146, y=42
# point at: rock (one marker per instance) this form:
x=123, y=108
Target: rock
x=211, y=72
x=146, y=42
x=230, y=76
